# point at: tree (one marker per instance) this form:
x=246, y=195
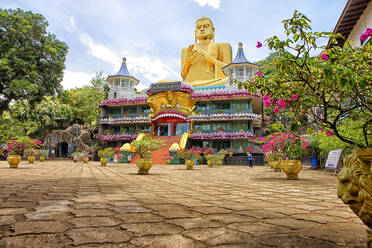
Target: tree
x=35, y=120
x=85, y=101
x=330, y=88
x=31, y=59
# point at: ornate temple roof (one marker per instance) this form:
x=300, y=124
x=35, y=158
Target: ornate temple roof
x=123, y=71
x=240, y=57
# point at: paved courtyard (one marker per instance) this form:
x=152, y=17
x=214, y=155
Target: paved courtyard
x=66, y=204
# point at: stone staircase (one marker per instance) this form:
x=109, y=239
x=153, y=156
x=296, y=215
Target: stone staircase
x=157, y=156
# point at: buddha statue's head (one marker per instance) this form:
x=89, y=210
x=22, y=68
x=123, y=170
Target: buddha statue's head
x=204, y=29
x=355, y=187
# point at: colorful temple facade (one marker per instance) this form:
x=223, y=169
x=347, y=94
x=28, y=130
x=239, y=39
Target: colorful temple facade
x=203, y=109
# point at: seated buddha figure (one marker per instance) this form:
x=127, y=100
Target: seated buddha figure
x=202, y=62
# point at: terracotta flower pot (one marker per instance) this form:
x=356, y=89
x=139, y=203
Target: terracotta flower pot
x=355, y=184
x=14, y=160
x=189, y=164
x=41, y=158
x=277, y=165
x=103, y=161
x=31, y=159
x=144, y=165
x=85, y=160
x=291, y=168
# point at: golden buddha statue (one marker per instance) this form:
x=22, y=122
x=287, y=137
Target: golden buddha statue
x=202, y=62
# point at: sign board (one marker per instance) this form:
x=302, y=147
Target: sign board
x=169, y=86
x=333, y=160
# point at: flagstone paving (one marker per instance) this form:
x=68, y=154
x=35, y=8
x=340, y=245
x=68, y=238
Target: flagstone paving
x=66, y=204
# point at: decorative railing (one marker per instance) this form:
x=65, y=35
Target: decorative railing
x=223, y=94
x=224, y=117
x=115, y=137
x=125, y=120
x=121, y=101
x=223, y=135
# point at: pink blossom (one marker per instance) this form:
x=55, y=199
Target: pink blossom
x=366, y=34
x=329, y=133
x=267, y=104
x=267, y=97
x=305, y=144
x=276, y=110
x=262, y=139
x=281, y=103
x=259, y=44
x=321, y=130
x=324, y=57
x=294, y=97
x=259, y=74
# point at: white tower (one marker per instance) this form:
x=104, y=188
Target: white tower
x=122, y=83
x=240, y=69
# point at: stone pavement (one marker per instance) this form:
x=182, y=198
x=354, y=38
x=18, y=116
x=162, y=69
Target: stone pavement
x=66, y=204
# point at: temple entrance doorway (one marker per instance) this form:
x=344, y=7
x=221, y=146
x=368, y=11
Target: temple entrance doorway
x=62, y=149
x=163, y=129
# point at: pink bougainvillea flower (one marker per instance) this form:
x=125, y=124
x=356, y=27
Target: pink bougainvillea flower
x=294, y=97
x=321, y=130
x=324, y=56
x=276, y=110
x=329, y=133
x=305, y=144
x=267, y=104
x=259, y=44
x=366, y=34
x=259, y=74
x=267, y=97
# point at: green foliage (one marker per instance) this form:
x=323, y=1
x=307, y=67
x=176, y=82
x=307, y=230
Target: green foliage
x=336, y=83
x=43, y=153
x=84, y=102
x=31, y=59
x=76, y=154
x=348, y=128
x=277, y=127
x=36, y=119
x=145, y=146
x=107, y=152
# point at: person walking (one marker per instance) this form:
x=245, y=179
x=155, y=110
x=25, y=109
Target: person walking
x=250, y=160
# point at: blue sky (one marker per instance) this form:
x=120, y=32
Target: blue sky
x=151, y=34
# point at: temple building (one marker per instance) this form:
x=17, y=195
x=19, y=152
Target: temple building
x=202, y=110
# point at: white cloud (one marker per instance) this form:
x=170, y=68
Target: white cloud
x=139, y=65
x=98, y=50
x=212, y=3
x=71, y=24
x=75, y=79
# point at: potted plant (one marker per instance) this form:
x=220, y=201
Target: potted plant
x=31, y=144
x=189, y=156
x=14, y=148
x=213, y=159
x=76, y=156
x=105, y=154
x=230, y=151
x=208, y=151
x=30, y=154
x=85, y=158
x=144, y=148
x=42, y=155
